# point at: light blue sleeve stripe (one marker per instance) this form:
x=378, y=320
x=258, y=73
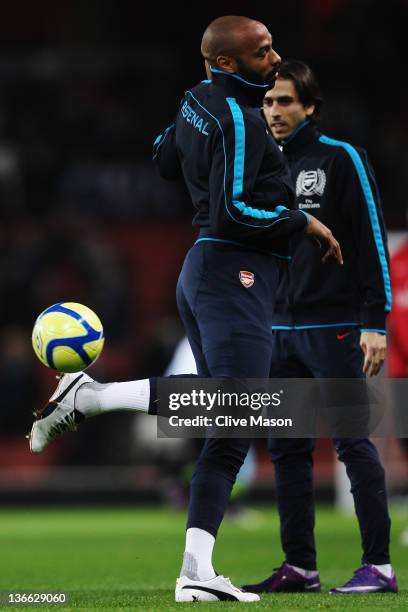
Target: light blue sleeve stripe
x=372, y=211
x=160, y=139
x=378, y=331
x=258, y=213
x=239, y=168
x=239, y=156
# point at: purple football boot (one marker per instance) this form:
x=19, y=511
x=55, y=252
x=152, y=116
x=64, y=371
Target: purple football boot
x=367, y=579
x=286, y=579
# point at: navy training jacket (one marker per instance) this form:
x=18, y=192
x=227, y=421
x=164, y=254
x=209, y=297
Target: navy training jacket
x=335, y=182
x=236, y=175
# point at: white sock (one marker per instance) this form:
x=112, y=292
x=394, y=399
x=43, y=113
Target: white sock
x=303, y=572
x=385, y=569
x=197, y=561
x=96, y=398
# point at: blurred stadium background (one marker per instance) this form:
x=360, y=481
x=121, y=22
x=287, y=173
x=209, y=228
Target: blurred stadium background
x=85, y=86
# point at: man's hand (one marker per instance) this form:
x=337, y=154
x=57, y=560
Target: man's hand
x=374, y=347
x=318, y=230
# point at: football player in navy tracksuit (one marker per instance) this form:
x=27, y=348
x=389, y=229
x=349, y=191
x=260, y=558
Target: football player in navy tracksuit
x=328, y=322
x=242, y=192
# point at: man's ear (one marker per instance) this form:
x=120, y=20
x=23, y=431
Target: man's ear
x=309, y=110
x=228, y=64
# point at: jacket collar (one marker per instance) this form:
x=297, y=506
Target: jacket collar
x=236, y=86
x=303, y=135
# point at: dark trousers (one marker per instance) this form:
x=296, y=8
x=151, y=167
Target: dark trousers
x=229, y=330
x=325, y=353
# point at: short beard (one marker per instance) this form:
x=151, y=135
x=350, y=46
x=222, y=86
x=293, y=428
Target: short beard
x=252, y=76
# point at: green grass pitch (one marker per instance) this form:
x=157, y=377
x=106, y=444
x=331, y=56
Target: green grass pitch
x=128, y=559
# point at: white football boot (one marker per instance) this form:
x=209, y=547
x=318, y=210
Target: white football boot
x=216, y=589
x=59, y=415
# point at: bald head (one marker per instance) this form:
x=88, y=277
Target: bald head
x=242, y=46
x=228, y=36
